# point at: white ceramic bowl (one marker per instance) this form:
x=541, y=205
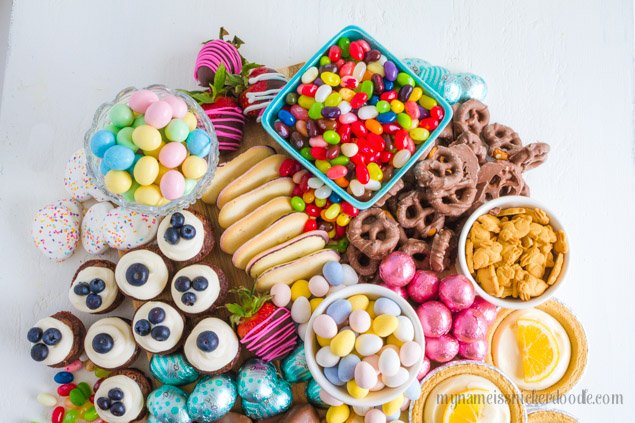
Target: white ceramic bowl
x=504, y=203
x=311, y=346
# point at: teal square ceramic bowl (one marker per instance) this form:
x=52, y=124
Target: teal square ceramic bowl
x=354, y=33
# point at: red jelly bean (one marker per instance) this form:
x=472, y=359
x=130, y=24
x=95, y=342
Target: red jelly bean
x=332, y=152
x=410, y=145
x=312, y=210
x=309, y=90
x=385, y=156
x=359, y=99
x=364, y=45
x=347, y=69
x=376, y=142
x=391, y=128
x=97, y=384
x=362, y=173
x=92, y=398
x=304, y=182
x=339, y=63
x=358, y=159
x=389, y=96
x=340, y=231
x=58, y=414
x=299, y=112
x=373, y=156
x=359, y=129
x=335, y=172
x=65, y=389
x=429, y=123
x=349, y=209
x=310, y=225
x=318, y=153
x=335, y=53
x=401, y=139
x=356, y=51
x=297, y=191
x=349, y=82
x=286, y=167
x=345, y=133
x=437, y=113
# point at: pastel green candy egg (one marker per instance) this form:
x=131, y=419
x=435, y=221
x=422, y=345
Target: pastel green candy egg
x=138, y=121
x=129, y=195
x=189, y=185
x=112, y=128
x=124, y=137
x=121, y=115
x=177, y=130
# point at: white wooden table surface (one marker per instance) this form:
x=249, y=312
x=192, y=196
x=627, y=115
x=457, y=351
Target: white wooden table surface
x=558, y=72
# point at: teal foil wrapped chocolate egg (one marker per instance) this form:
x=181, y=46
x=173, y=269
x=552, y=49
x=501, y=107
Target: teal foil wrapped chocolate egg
x=278, y=402
x=294, y=367
x=472, y=86
x=312, y=393
x=257, y=380
x=212, y=398
x=173, y=369
x=168, y=404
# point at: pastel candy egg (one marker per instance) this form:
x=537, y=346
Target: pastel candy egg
x=125, y=229
x=55, y=232
x=302, y=327
x=338, y=414
x=414, y=391
x=387, y=306
x=359, y=302
x=138, y=121
x=121, y=115
x=365, y=375
x=368, y=344
x=322, y=342
x=405, y=330
x=333, y=272
x=281, y=294
x=343, y=343
x=178, y=105
x=396, y=380
x=198, y=143
x=339, y=310
x=324, y=326
x=373, y=360
x=141, y=99
x=375, y=416
x=177, y=130
x=146, y=137
x=189, y=185
x=172, y=155
x=129, y=195
x=172, y=185
x=158, y=114
x=361, y=410
x=92, y=239
x=118, y=157
x=350, y=276
x=149, y=195
x=315, y=302
x=326, y=358
x=346, y=367
x=301, y=310
x=331, y=374
x=194, y=167
x=77, y=182
x=389, y=362
x=393, y=406
x=359, y=321
x=124, y=138
x=117, y=181
x=384, y=325
x=300, y=288
x=410, y=353
x=318, y=286
x=146, y=170
x=355, y=391
x=190, y=119
x=325, y=397
x=378, y=387
x=392, y=340
x=101, y=141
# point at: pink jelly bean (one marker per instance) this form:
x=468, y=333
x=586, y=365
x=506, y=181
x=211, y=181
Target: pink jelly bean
x=347, y=69
x=158, y=114
x=140, y=100
x=412, y=110
x=179, y=108
x=348, y=118
x=349, y=82
x=172, y=185
x=74, y=366
x=336, y=172
x=172, y=155
x=299, y=112
x=318, y=142
x=300, y=88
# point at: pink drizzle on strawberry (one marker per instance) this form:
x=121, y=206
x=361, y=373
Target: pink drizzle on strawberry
x=228, y=123
x=216, y=52
x=273, y=337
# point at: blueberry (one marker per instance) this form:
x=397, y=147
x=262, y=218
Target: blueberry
x=200, y=283
x=97, y=285
x=103, y=403
x=52, y=336
x=115, y=394
x=156, y=315
x=39, y=352
x=137, y=274
x=188, y=232
x=171, y=236
x=93, y=301
x=117, y=409
x=142, y=327
x=207, y=341
x=177, y=220
x=81, y=289
x=160, y=333
x=34, y=335
x=102, y=343
x=189, y=298
x=182, y=283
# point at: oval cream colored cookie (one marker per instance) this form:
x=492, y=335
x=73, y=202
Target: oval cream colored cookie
x=280, y=231
x=302, y=268
x=241, y=206
x=231, y=170
x=298, y=247
x=255, y=177
x=254, y=223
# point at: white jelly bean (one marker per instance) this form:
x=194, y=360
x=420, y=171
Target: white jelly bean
x=389, y=362
x=323, y=192
x=314, y=182
x=368, y=344
x=345, y=107
x=359, y=71
x=324, y=326
x=373, y=185
x=310, y=75
x=401, y=158
x=367, y=112
x=398, y=379
x=405, y=331
x=350, y=275
x=349, y=149
x=326, y=358
x=382, y=59
x=323, y=92
x=410, y=353
x=318, y=286
x=280, y=294
x=356, y=188
x=47, y=400
x=301, y=310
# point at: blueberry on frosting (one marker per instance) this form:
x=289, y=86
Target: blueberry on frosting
x=156, y=315
x=52, y=336
x=34, y=335
x=207, y=341
x=94, y=289
x=178, y=229
x=182, y=236
x=142, y=274
x=188, y=299
x=197, y=288
x=110, y=343
x=39, y=352
x=182, y=283
x=54, y=339
x=158, y=327
x=200, y=283
x=137, y=274
x=102, y=343
x=103, y=403
x=113, y=402
x=142, y=327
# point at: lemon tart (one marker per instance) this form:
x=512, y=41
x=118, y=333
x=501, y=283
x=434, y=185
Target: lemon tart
x=550, y=416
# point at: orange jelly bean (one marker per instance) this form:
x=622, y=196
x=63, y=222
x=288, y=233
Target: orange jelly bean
x=374, y=126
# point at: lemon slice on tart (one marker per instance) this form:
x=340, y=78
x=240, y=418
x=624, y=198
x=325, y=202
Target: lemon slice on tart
x=538, y=349
x=466, y=407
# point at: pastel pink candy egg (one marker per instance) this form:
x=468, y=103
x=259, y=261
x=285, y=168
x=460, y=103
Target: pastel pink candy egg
x=375, y=416
x=140, y=100
x=172, y=184
x=410, y=353
x=365, y=375
x=179, y=108
x=158, y=114
x=324, y=326
x=172, y=155
x=281, y=294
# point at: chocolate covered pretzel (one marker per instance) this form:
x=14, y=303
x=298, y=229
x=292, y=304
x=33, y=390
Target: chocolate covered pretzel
x=471, y=116
x=502, y=141
x=419, y=250
x=374, y=232
x=496, y=179
x=474, y=142
x=414, y=211
x=442, y=249
x=442, y=170
x=454, y=201
x=363, y=265
x=530, y=156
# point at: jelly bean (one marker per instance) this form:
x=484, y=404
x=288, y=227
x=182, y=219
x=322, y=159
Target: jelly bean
x=298, y=112
x=337, y=171
x=63, y=377
x=308, y=90
x=348, y=118
x=308, y=197
x=315, y=111
x=323, y=166
x=101, y=372
x=349, y=209
x=71, y=416
x=405, y=79
x=324, y=60
x=367, y=87
x=330, y=78
x=343, y=242
x=358, y=100
x=374, y=126
x=340, y=161
x=356, y=187
x=309, y=75
x=85, y=388
x=286, y=117
x=416, y=94
x=298, y=204
x=146, y=137
x=342, y=182
x=326, y=219
x=388, y=85
x=356, y=51
x=382, y=106
x=378, y=84
x=339, y=310
x=349, y=82
x=46, y=400
x=349, y=149
x=343, y=219
x=331, y=112
x=389, y=96
x=346, y=107
x=390, y=70
x=404, y=93
x=91, y=414
x=322, y=93
x=362, y=173
x=374, y=172
x=58, y=415
x=437, y=113
x=375, y=142
x=118, y=181
x=359, y=70
x=419, y=135
x=347, y=69
x=396, y=106
x=343, y=343
x=291, y=99
x=335, y=198
x=367, y=112
x=427, y=102
x=286, y=167
x=377, y=68
x=364, y=45
x=429, y=124
x=404, y=121
x=312, y=210
x=306, y=102
x=310, y=225
x=306, y=154
x=322, y=193
x=77, y=397
x=335, y=52
x=412, y=109
x=314, y=182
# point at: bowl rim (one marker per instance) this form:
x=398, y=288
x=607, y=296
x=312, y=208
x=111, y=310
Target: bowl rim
x=520, y=201
x=309, y=340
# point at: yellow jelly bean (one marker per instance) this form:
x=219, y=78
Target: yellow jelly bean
x=418, y=135
x=320, y=202
x=155, y=153
x=314, y=303
x=150, y=195
x=309, y=196
x=190, y=119
x=375, y=172
x=371, y=309
x=305, y=101
x=359, y=302
x=322, y=165
x=330, y=78
x=146, y=170
x=376, y=67
x=384, y=325
x=347, y=94
x=392, y=339
x=338, y=414
x=333, y=100
x=300, y=288
x=332, y=212
x=354, y=390
x=391, y=407
x=343, y=219
x=194, y=167
x=146, y=137
x=344, y=342
x=416, y=94
x=427, y=102
x=162, y=170
x=323, y=342
x=84, y=408
x=118, y=181
x=397, y=106
x=332, y=234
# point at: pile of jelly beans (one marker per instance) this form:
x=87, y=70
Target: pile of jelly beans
x=325, y=208
x=77, y=400
x=152, y=152
x=357, y=117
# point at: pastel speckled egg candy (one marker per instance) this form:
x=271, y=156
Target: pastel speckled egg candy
x=92, y=240
x=158, y=114
x=172, y=185
x=140, y=100
x=77, y=182
x=55, y=232
x=179, y=108
x=125, y=229
x=172, y=155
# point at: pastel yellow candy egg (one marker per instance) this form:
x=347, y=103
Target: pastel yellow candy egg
x=391, y=407
x=314, y=303
x=190, y=119
x=338, y=414
x=118, y=181
x=146, y=137
x=162, y=171
x=194, y=167
x=146, y=170
x=371, y=309
x=354, y=390
x=392, y=340
x=149, y=195
x=384, y=325
x=163, y=201
x=155, y=153
x=359, y=302
x=323, y=342
x=354, y=418
x=343, y=343
x=299, y=289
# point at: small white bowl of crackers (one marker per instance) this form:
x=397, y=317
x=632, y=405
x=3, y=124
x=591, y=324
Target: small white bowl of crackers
x=515, y=252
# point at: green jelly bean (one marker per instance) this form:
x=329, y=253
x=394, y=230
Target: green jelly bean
x=333, y=100
x=382, y=106
x=405, y=79
x=138, y=121
x=322, y=165
x=404, y=121
x=324, y=60
x=345, y=44
x=291, y=99
x=340, y=160
x=71, y=416
x=124, y=137
x=306, y=153
x=77, y=397
x=91, y=414
x=315, y=112
x=121, y=115
x=298, y=204
x=367, y=87
x=342, y=244
x=306, y=102
x=85, y=388
x=331, y=137
x=101, y=372
x=112, y=128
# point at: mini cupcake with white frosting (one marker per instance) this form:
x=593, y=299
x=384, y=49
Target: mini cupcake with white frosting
x=94, y=289
x=143, y=273
x=212, y=347
x=58, y=340
x=110, y=343
x=185, y=236
x=198, y=288
x=122, y=395
x=158, y=327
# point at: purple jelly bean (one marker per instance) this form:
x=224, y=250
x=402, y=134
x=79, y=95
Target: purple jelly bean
x=390, y=70
x=281, y=129
x=423, y=112
x=331, y=112
x=404, y=93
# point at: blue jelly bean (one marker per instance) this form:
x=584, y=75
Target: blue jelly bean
x=286, y=117
x=388, y=85
x=331, y=376
x=390, y=70
x=101, y=142
x=130, y=170
x=103, y=168
x=339, y=310
x=413, y=391
x=387, y=306
x=372, y=101
x=63, y=377
x=119, y=157
x=335, y=198
x=333, y=272
x=386, y=117
x=346, y=367
x=198, y=143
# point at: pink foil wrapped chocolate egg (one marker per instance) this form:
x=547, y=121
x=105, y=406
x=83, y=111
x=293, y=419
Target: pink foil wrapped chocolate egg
x=436, y=319
x=488, y=309
x=399, y=290
x=425, y=368
x=469, y=325
x=456, y=292
x=473, y=350
x=397, y=269
x=424, y=286
x=442, y=349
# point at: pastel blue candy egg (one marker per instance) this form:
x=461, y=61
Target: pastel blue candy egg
x=331, y=374
x=414, y=391
x=119, y=157
x=333, y=273
x=198, y=143
x=339, y=310
x=101, y=142
x=63, y=377
x=286, y=117
x=103, y=168
x=346, y=367
x=386, y=306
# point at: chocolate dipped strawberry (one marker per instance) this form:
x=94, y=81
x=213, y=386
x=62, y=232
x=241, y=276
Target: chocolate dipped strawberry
x=215, y=53
x=263, y=84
